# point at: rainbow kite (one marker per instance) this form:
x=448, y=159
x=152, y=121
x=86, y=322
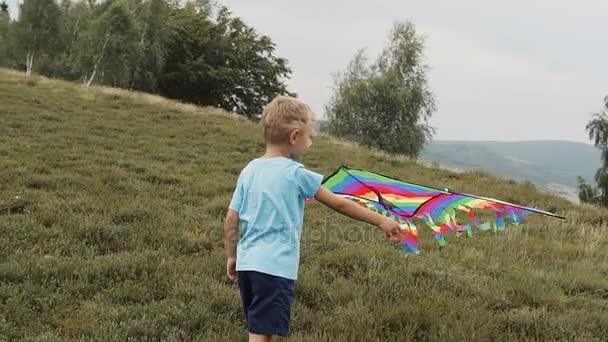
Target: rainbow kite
x=405, y=202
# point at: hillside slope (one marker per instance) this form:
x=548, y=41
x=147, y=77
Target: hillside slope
x=111, y=208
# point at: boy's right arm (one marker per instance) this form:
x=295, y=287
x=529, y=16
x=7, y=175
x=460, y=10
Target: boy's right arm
x=389, y=226
x=231, y=230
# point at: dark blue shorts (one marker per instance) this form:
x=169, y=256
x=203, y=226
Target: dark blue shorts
x=267, y=302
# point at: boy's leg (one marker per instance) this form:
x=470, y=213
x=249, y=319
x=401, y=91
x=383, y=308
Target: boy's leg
x=259, y=338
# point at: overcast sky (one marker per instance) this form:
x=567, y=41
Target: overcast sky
x=501, y=70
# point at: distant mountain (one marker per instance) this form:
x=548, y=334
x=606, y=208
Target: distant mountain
x=549, y=164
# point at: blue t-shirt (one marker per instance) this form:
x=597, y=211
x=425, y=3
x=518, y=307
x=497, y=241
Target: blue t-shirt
x=269, y=198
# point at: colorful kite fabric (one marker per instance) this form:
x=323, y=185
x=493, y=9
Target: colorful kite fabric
x=405, y=202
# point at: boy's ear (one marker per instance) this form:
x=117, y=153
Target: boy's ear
x=293, y=135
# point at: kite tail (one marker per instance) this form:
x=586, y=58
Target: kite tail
x=409, y=237
x=437, y=230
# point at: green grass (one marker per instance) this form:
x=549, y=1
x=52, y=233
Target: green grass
x=111, y=208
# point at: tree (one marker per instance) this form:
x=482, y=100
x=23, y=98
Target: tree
x=587, y=193
x=187, y=74
x=598, y=127
x=221, y=62
x=251, y=75
x=598, y=133
x=37, y=29
x=601, y=178
x=205, y=6
x=63, y=61
x=109, y=49
x=4, y=10
x=5, y=34
x=153, y=22
x=191, y=50
x=386, y=105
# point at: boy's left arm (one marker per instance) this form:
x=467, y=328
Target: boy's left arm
x=231, y=229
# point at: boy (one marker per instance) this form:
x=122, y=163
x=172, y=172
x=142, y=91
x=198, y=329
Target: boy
x=268, y=202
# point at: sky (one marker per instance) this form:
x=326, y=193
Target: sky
x=500, y=70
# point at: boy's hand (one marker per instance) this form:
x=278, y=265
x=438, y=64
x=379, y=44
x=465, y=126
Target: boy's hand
x=391, y=228
x=231, y=269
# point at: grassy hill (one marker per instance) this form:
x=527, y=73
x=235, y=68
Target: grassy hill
x=541, y=162
x=111, y=208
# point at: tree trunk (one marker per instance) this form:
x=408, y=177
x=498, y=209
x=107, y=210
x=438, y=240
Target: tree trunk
x=29, y=63
x=143, y=31
x=103, y=49
x=90, y=80
x=74, y=35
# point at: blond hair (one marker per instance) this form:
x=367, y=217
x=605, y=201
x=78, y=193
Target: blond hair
x=283, y=114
